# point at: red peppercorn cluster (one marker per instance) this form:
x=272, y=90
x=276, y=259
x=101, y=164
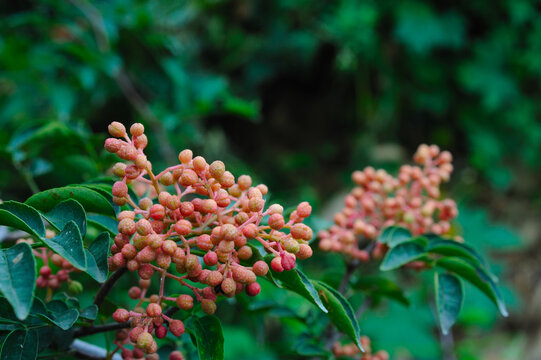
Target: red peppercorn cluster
x=195, y=218
x=410, y=200
x=352, y=351
x=52, y=277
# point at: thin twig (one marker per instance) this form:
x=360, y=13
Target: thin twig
x=96, y=329
x=107, y=286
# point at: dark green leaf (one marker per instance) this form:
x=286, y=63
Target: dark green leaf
x=69, y=244
x=90, y=199
x=18, y=277
x=65, y=211
x=103, y=222
x=339, y=311
x=60, y=314
x=477, y=277
x=20, y=345
x=209, y=339
x=297, y=282
x=96, y=256
x=22, y=217
x=401, y=254
x=394, y=235
x=90, y=312
x=449, y=299
x=380, y=286
x=453, y=248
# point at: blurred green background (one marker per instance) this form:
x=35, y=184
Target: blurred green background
x=298, y=94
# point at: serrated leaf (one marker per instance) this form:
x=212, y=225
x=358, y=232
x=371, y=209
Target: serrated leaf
x=60, y=314
x=394, y=235
x=209, y=339
x=20, y=345
x=449, y=299
x=340, y=311
x=18, y=277
x=401, y=255
x=477, y=277
x=90, y=199
x=65, y=211
x=296, y=281
x=22, y=217
x=96, y=255
x=69, y=244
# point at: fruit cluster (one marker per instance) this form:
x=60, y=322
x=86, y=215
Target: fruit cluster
x=352, y=351
x=195, y=218
x=410, y=200
x=49, y=278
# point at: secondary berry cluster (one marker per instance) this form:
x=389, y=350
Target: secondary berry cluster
x=191, y=224
x=352, y=351
x=54, y=269
x=410, y=200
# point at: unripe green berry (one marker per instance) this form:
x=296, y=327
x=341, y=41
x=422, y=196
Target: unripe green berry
x=144, y=340
x=75, y=287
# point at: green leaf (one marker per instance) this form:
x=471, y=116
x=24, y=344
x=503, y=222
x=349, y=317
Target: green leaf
x=90, y=199
x=65, y=211
x=449, y=298
x=20, y=345
x=103, y=222
x=209, y=339
x=90, y=312
x=453, y=248
x=477, y=277
x=339, y=311
x=22, y=217
x=296, y=281
x=60, y=314
x=377, y=285
x=69, y=244
x=401, y=254
x=394, y=235
x=96, y=256
x=18, y=277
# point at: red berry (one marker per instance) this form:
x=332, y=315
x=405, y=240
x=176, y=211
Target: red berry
x=154, y=310
x=210, y=258
x=45, y=271
x=276, y=264
x=161, y=332
x=145, y=271
x=253, y=289
x=260, y=268
x=176, y=327
x=121, y=315
x=185, y=302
